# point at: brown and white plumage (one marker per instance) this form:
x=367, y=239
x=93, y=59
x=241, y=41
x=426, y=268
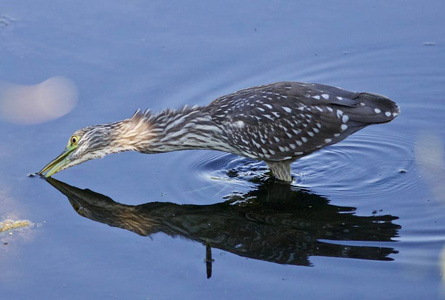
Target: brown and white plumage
x=277, y=123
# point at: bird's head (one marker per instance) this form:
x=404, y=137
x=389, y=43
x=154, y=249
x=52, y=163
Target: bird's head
x=85, y=144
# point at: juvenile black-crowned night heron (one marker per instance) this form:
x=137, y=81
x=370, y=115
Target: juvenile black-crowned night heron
x=277, y=123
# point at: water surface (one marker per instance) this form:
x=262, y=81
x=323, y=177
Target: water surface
x=363, y=219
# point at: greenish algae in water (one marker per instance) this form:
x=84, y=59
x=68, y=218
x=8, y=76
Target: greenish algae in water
x=10, y=224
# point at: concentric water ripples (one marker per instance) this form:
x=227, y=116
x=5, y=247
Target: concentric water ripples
x=368, y=164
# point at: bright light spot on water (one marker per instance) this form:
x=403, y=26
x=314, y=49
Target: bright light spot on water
x=430, y=158
x=33, y=104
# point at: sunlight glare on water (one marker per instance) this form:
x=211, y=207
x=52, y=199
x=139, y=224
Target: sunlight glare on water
x=430, y=159
x=34, y=104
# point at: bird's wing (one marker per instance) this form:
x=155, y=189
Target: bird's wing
x=287, y=120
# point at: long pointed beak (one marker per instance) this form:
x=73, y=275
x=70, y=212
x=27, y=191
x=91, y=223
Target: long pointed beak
x=58, y=163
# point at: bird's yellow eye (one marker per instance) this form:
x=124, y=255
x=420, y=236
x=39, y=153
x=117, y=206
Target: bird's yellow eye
x=74, y=140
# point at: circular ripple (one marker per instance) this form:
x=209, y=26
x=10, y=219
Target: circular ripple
x=231, y=168
x=367, y=164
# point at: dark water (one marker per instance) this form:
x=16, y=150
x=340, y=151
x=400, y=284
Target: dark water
x=364, y=219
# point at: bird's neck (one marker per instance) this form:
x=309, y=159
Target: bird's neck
x=170, y=130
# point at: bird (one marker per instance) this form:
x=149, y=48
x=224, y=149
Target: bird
x=277, y=123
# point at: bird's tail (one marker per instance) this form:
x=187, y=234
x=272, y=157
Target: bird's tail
x=373, y=108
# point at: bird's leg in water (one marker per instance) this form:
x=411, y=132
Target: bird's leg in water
x=281, y=170
x=209, y=260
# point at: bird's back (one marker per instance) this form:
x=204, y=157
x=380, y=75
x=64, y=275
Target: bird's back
x=286, y=120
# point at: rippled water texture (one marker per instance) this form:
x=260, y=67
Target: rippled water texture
x=363, y=219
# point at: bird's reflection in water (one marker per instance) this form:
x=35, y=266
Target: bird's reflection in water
x=273, y=223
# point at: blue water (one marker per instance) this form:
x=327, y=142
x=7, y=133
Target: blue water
x=363, y=220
